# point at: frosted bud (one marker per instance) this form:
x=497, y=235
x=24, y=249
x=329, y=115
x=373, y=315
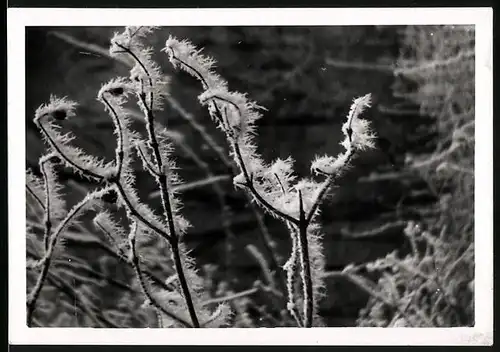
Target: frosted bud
x=57, y=108
x=116, y=89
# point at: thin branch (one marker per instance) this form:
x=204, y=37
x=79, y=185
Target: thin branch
x=361, y=66
x=255, y=193
x=33, y=194
x=162, y=181
x=259, y=258
x=209, y=181
x=35, y=292
x=145, y=288
x=325, y=187
x=47, y=207
x=290, y=268
x=150, y=167
x=231, y=297
x=305, y=264
x=138, y=215
x=211, y=143
x=89, y=47
x=434, y=64
x=59, y=152
x=172, y=101
x=375, y=232
x=119, y=149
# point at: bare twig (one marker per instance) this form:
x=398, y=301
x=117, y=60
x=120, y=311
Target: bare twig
x=360, y=66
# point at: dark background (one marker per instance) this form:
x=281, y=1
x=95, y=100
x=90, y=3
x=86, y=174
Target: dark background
x=306, y=77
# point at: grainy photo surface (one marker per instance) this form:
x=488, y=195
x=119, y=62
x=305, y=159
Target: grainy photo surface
x=247, y=177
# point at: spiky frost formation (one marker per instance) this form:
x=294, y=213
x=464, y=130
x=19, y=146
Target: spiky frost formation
x=113, y=231
x=358, y=137
x=232, y=111
x=57, y=108
x=166, y=149
x=39, y=189
x=73, y=157
x=130, y=39
x=184, y=55
x=128, y=198
x=116, y=90
x=169, y=168
x=89, y=202
x=156, y=156
x=149, y=80
x=317, y=268
x=35, y=188
x=358, y=132
x=55, y=204
x=324, y=165
x=217, y=318
x=239, y=115
x=114, y=95
x=173, y=302
x=146, y=74
x=290, y=268
x=47, y=193
x=273, y=185
x=317, y=265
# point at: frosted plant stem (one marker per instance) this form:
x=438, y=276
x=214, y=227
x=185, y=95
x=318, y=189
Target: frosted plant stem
x=306, y=268
x=145, y=288
x=46, y=260
x=134, y=211
x=47, y=222
x=324, y=190
x=161, y=179
x=301, y=223
x=211, y=143
x=255, y=193
x=290, y=268
x=90, y=174
x=238, y=131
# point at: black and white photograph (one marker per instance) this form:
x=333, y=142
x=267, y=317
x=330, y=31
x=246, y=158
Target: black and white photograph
x=244, y=175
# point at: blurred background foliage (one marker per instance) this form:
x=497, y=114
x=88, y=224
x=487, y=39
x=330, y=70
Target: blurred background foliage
x=422, y=81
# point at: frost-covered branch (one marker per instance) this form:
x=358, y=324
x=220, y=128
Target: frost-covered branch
x=274, y=186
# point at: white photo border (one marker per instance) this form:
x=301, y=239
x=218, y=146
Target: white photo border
x=481, y=18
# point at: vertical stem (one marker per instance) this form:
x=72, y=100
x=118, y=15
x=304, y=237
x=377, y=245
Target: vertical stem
x=162, y=181
x=174, y=240
x=183, y=282
x=145, y=289
x=48, y=223
x=35, y=292
x=33, y=296
x=306, y=268
x=290, y=274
